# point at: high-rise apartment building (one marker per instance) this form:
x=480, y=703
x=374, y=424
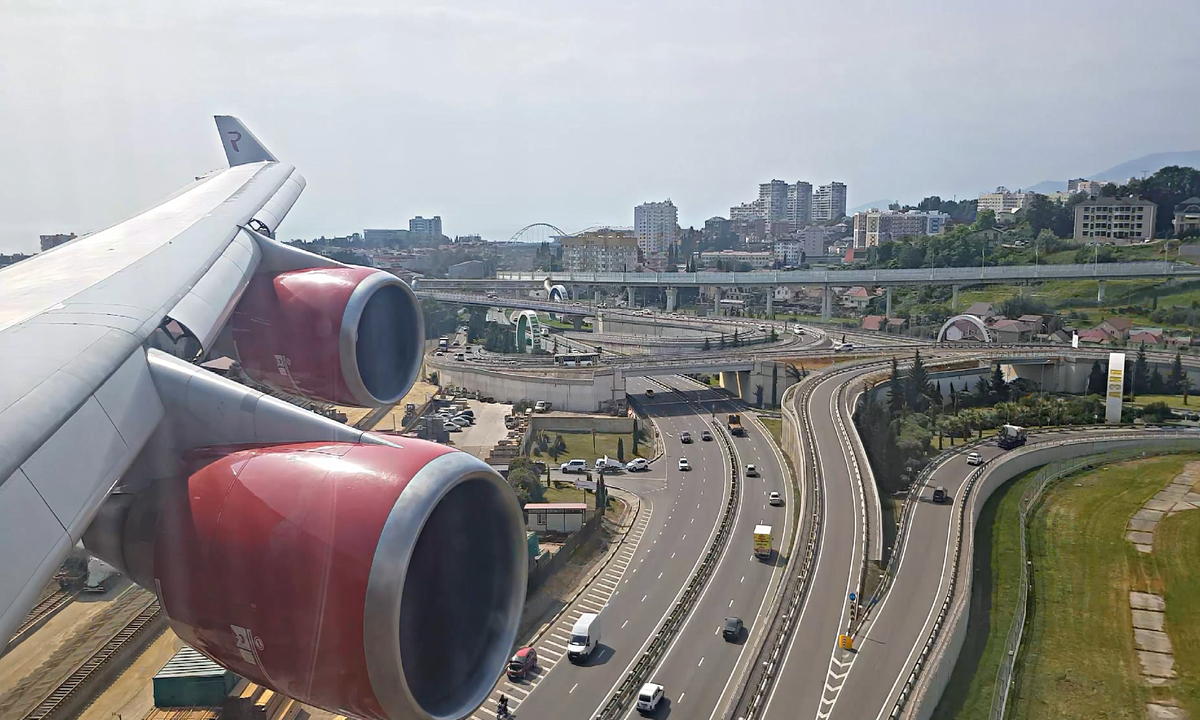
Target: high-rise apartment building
x=600, y=251
x=799, y=202
x=772, y=199
x=426, y=228
x=880, y=227
x=1002, y=200
x=1124, y=220
x=829, y=202
x=656, y=226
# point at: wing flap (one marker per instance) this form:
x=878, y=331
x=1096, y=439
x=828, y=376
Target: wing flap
x=207, y=307
x=34, y=544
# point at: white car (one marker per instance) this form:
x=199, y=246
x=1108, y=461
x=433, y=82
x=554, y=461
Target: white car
x=775, y=498
x=573, y=466
x=683, y=464
x=974, y=459
x=637, y=465
x=649, y=697
x=685, y=437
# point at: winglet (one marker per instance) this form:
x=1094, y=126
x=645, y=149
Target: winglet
x=241, y=146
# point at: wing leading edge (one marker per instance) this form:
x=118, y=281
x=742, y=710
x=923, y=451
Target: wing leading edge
x=77, y=400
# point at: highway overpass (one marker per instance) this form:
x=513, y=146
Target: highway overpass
x=879, y=277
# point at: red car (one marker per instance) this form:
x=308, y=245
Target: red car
x=522, y=663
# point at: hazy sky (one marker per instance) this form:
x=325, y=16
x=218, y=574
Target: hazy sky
x=495, y=114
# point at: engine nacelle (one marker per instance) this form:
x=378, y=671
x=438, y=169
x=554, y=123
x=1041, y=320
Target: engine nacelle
x=369, y=580
x=349, y=335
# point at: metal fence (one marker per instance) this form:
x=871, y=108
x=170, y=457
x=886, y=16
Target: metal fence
x=1029, y=501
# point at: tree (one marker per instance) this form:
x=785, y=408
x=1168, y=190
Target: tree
x=620, y=449
x=985, y=220
x=917, y=390
x=982, y=388
x=736, y=342
x=774, y=335
x=1097, y=379
x=707, y=344
x=1156, y=382
x=895, y=391
x=1141, y=372
x=758, y=395
x=524, y=479
x=999, y=387
x=722, y=346
x=1175, y=380
x=1040, y=213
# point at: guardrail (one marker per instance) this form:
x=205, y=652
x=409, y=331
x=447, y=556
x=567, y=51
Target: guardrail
x=650, y=658
x=955, y=604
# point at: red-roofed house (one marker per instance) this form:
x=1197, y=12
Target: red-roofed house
x=1150, y=337
x=1036, y=322
x=895, y=325
x=874, y=323
x=1095, y=337
x=856, y=298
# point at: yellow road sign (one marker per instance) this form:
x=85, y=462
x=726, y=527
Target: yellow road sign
x=845, y=642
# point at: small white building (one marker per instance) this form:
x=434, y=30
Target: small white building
x=555, y=517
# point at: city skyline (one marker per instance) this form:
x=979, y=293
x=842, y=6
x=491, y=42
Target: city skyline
x=570, y=115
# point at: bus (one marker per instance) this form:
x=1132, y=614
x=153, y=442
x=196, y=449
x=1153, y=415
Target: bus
x=577, y=359
x=443, y=343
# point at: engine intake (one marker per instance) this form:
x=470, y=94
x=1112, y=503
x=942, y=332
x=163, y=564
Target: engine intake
x=368, y=580
x=347, y=335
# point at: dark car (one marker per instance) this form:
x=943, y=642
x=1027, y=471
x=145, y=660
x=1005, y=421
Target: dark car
x=733, y=628
x=522, y=663
x=939, y=494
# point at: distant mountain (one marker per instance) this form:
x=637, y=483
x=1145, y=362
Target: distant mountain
x=1120, y=173
x=881, y=204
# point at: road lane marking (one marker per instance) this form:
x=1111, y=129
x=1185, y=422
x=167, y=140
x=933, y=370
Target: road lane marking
x=573, y=688
x=644, y=597
x=624, y=623
x=700, y=663
x=730, y=603
x=660, y=576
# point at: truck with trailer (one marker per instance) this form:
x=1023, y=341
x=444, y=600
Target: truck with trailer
x=762, y=542
x=734, y=421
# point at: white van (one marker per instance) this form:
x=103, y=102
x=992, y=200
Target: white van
x=607, y=464
x=584, y=636
x=649, y=697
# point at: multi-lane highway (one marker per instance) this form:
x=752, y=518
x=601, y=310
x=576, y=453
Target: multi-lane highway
x=683, y=511
x=700, y=668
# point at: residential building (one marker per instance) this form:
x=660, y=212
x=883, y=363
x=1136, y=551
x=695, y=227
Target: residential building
x=773, y=200
x=799, y=202
x=1122, y=220
x=856, y=298
x=1003, y=200
x=792, y=249
x=378, y=237
x=896, y=325
x=1117, y=327
x=1149, y=336
x=600, y=251
x=1088, y=187
x=656, y=226
x=1011, y=331
x=829, y=203
x=467, y=270
x=53, y=241
x=757, y=260
x=6, y=260
x=426, y=228
x=1187, y=216
x=880, y=227
x=981, y=310
x=874, y=323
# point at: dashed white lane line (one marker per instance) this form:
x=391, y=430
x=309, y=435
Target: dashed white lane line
x=644, y=598
x=660, y=576
x=573, y=688
x=700, y=663
x=624, y=623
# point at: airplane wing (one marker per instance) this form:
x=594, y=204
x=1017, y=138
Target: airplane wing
x=76, y=403
x=110, y=433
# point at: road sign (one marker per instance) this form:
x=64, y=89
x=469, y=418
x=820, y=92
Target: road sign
x=845, y=642
x=853, y=597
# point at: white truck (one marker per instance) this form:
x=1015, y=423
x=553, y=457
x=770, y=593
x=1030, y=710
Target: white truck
x=100, y=577
x=584, y=636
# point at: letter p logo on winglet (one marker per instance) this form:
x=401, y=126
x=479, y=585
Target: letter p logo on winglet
x=241, y=147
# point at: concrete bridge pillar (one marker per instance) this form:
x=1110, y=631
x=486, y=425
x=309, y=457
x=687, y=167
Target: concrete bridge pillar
x=716, y=301
x=729, y=380
x=573, y=291
x=672, y=295
x=771, y=302
x=1100, y=291
x=954, y=298
x=888, y=311
x=577, y=321
x=826, y=304
x=632, y=297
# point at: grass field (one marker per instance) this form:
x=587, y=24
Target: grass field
x=1175, y=401
x=1174, y=565
x=997, y=571
x=570, y=495
x=775, y=427
x=1079, y=659
x=580, y=445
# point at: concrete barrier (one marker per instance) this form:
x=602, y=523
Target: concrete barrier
x=563, y=423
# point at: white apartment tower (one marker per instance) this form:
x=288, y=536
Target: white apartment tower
x=773, y=200
x=656, y=225
x=830, y=202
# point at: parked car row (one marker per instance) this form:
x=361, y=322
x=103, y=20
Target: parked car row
x=607, y=464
